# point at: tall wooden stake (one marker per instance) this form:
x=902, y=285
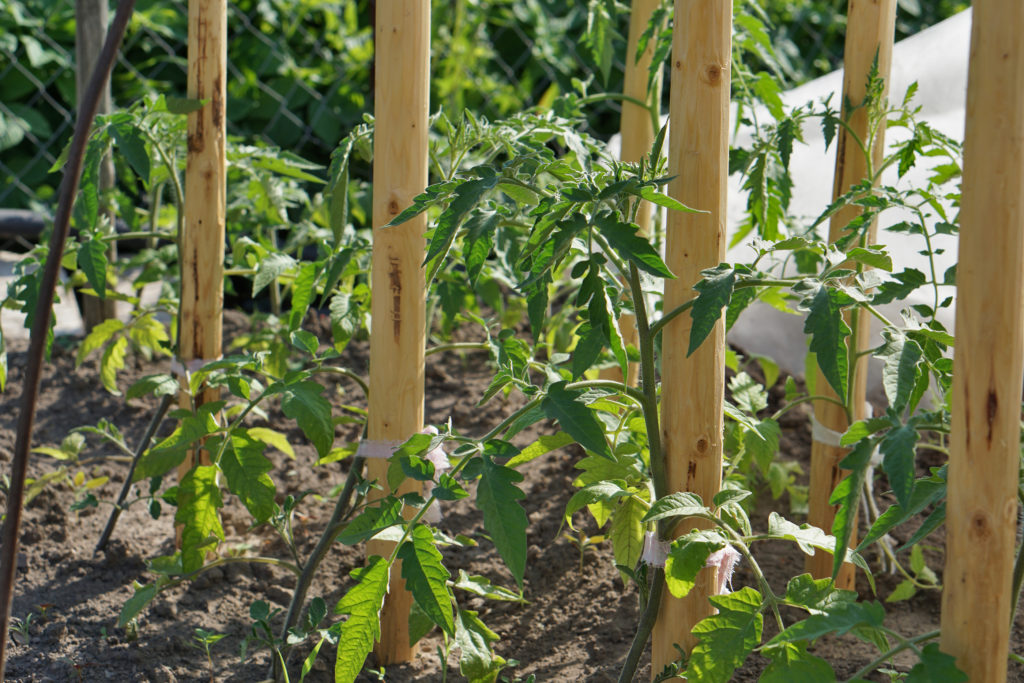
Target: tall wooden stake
x=398, y=310
x=637, y=132
x=91, y=19
x=693, y=389
x=870, y=30
x=981, y=515
x=201, y=244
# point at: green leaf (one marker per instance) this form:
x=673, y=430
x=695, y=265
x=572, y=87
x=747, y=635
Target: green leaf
x=132, y=144
x=627, y=532
x=134, y=605
x=543, y=445
x=303, y=403
x=927, y=492
x=904, y=591
x=302, y=295
x=623, y=238
x=748, y=394
x=847, y=496
x=504, y=518
x=714, y=292
x=899, y=374
x=479, y=241
x=873, y=257
x=808, y=538
x=372, y=521
x=155, y=385
x=99, y=336
x=763, y=443
x=680, y=504
x=588, y=349
x=425, y=577
x=92, y=260
x=476, y=661
x=815, y=595
x=111, y=362
x=935, y=665
x=840, y=619
x=726, y=638
x=482, y=586
x=270, y=268
x=245, y=468
x=602, y=491
x=362, y=604
x=899, y=448
x=198, y=501
x=467, y=196
x=272, y=438
x=183, y=105
x=171, y=451
x=828, y=333
x=791, y=663
x=687, y=556
x=575, y=418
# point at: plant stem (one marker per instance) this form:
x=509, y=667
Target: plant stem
x=648, y=382
x=341, y=511
x=458, y=346
x=151, y=428
x=331, y=370
x=1018, y=571
x=646, y=625
x=905, y=643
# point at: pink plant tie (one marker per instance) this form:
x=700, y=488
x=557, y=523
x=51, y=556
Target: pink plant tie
x=724, y=561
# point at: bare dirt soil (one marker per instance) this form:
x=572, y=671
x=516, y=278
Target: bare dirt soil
x=577, y=625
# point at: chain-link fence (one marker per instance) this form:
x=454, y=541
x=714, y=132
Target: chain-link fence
x=300, y=71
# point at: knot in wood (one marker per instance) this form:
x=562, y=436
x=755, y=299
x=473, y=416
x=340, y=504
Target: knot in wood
x=712, y=74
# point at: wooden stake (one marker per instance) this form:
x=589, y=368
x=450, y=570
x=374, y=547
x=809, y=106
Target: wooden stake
x=91, y=19
x=693, y=389
x=202, y=242
x=398, y=310
x=637, y=132
x=870, y=29
x=981, y=516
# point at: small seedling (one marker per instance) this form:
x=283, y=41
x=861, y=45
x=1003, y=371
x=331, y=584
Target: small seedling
x=206, y=639
x=583, y=542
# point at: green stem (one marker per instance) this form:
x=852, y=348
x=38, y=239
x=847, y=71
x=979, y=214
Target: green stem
x=458, y=346
x=331, y=370
x=646, y=625
x=805, y=399
x=657, y=325
x=1018, y=571
x=905, y=643
x=648, y=382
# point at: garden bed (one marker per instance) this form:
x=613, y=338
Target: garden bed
x=577, y=625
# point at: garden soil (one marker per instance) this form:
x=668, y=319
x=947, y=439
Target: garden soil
x=577, y=625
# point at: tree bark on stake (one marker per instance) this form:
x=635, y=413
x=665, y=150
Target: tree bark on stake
x=693, y=388
x=398, y=311
x=91, y=19
x=202, y=243
x=637, y=132
x=870, y=30
x=981, y=515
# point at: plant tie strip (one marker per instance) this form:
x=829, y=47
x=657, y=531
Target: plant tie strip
x=190, y=366
x=383, y=449
x=655, y=550
x=829, y=437
x=725, y=561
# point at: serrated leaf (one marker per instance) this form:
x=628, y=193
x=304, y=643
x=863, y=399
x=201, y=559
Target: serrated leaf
x=624, y=239
x=763, y=443
x=92, y=260
x=627, y=532
x=713, y=294
x=245, y=468
x=132, y=145
x=270, y=268
x=926, y=493
x=476, y=661
x=467, y=196
x=828, y=333
x=425, y=577
x=575, y=418
x=372, y=520
x=602, y=491
x=199, y=499
x=679, y=504
x=726, y=638
x=791, y=663
x=899, y=448
x=904, y=591
x=808, y=538
x=840, y=619
x=155, y=385
x=875, y=258
x=111, y=362
x=847, y=496
x=652, y=195
x=497, y=497
x=899, y=374
x=272, y=438
x=362, y=604
x=303, y=403
x=134, y=605
x=815, y=595
x=482, y=586
x=935, y=665
x=686, y=557
x=171, y=451
x=543, y=445
x=302, y=295
x=99, y=336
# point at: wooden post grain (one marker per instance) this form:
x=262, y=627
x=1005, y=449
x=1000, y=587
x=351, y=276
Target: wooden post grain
x=870, y=31
x=91, y=19
x=693, y=388
x=981, y=515
x=398, y=335
x=201, y=244
x=637, y=133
